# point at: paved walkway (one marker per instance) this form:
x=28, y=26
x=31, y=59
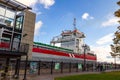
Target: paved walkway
x=51, y=77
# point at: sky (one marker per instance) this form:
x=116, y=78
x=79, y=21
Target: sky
x=93, y=17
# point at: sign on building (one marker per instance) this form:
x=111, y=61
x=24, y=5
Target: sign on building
x=57, y=66
x=33, y=67
x=79, y=66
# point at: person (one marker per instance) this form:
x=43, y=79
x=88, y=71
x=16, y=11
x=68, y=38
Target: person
x=98, y=67
x=101, y=67
x=104, y=67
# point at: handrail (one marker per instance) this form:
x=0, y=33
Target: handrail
x=13, y=46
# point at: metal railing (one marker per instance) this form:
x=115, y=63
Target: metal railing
x=13, y=46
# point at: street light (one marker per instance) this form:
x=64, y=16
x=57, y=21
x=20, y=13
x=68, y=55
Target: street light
x=84, y=64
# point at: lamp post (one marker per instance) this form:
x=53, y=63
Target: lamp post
x=84, y=63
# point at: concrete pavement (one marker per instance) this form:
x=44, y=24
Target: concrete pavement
x=52, y=76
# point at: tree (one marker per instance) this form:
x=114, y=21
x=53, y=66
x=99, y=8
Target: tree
x=115, y=47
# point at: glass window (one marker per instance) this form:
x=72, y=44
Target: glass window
x=2, y=11
x=9, y=22
x=19, y=22
x=1, y=19
x=18, y=25
x=10, y=14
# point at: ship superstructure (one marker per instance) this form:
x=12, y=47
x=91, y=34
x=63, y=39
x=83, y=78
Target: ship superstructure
x=71, y=39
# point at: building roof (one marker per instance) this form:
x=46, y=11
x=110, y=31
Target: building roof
x=15, y=4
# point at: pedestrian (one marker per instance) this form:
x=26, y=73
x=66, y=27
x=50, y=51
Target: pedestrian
x=101, y=67
x=98, y=67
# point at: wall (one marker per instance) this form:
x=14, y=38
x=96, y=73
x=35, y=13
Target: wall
x=28, y=28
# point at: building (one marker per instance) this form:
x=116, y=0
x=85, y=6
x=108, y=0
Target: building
x=17, y=24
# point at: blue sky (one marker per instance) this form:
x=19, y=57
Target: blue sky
x=60, y=17
x=94, y=17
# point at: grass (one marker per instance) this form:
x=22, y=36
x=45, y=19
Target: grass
x=102, y=76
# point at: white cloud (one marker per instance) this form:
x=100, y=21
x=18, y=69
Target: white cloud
x=37, y=27
x=43, y=33
x=110, y=22
x=86, y=16
x=28, y=2
x=38, y=13
x=103, y=53
x=91, y=17
x=105, y=39
x=46, y=3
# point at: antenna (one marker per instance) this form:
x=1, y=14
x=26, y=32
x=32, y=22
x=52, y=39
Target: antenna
x=74, y=23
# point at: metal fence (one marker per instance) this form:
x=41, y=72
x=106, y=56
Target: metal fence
x=13, y=46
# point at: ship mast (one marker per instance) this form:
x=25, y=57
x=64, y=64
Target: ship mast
x=74, y=24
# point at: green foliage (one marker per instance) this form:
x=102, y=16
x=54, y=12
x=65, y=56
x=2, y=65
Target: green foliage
x=117, y=13
x=101, y=76
x=118, y=3
x=116, y=41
